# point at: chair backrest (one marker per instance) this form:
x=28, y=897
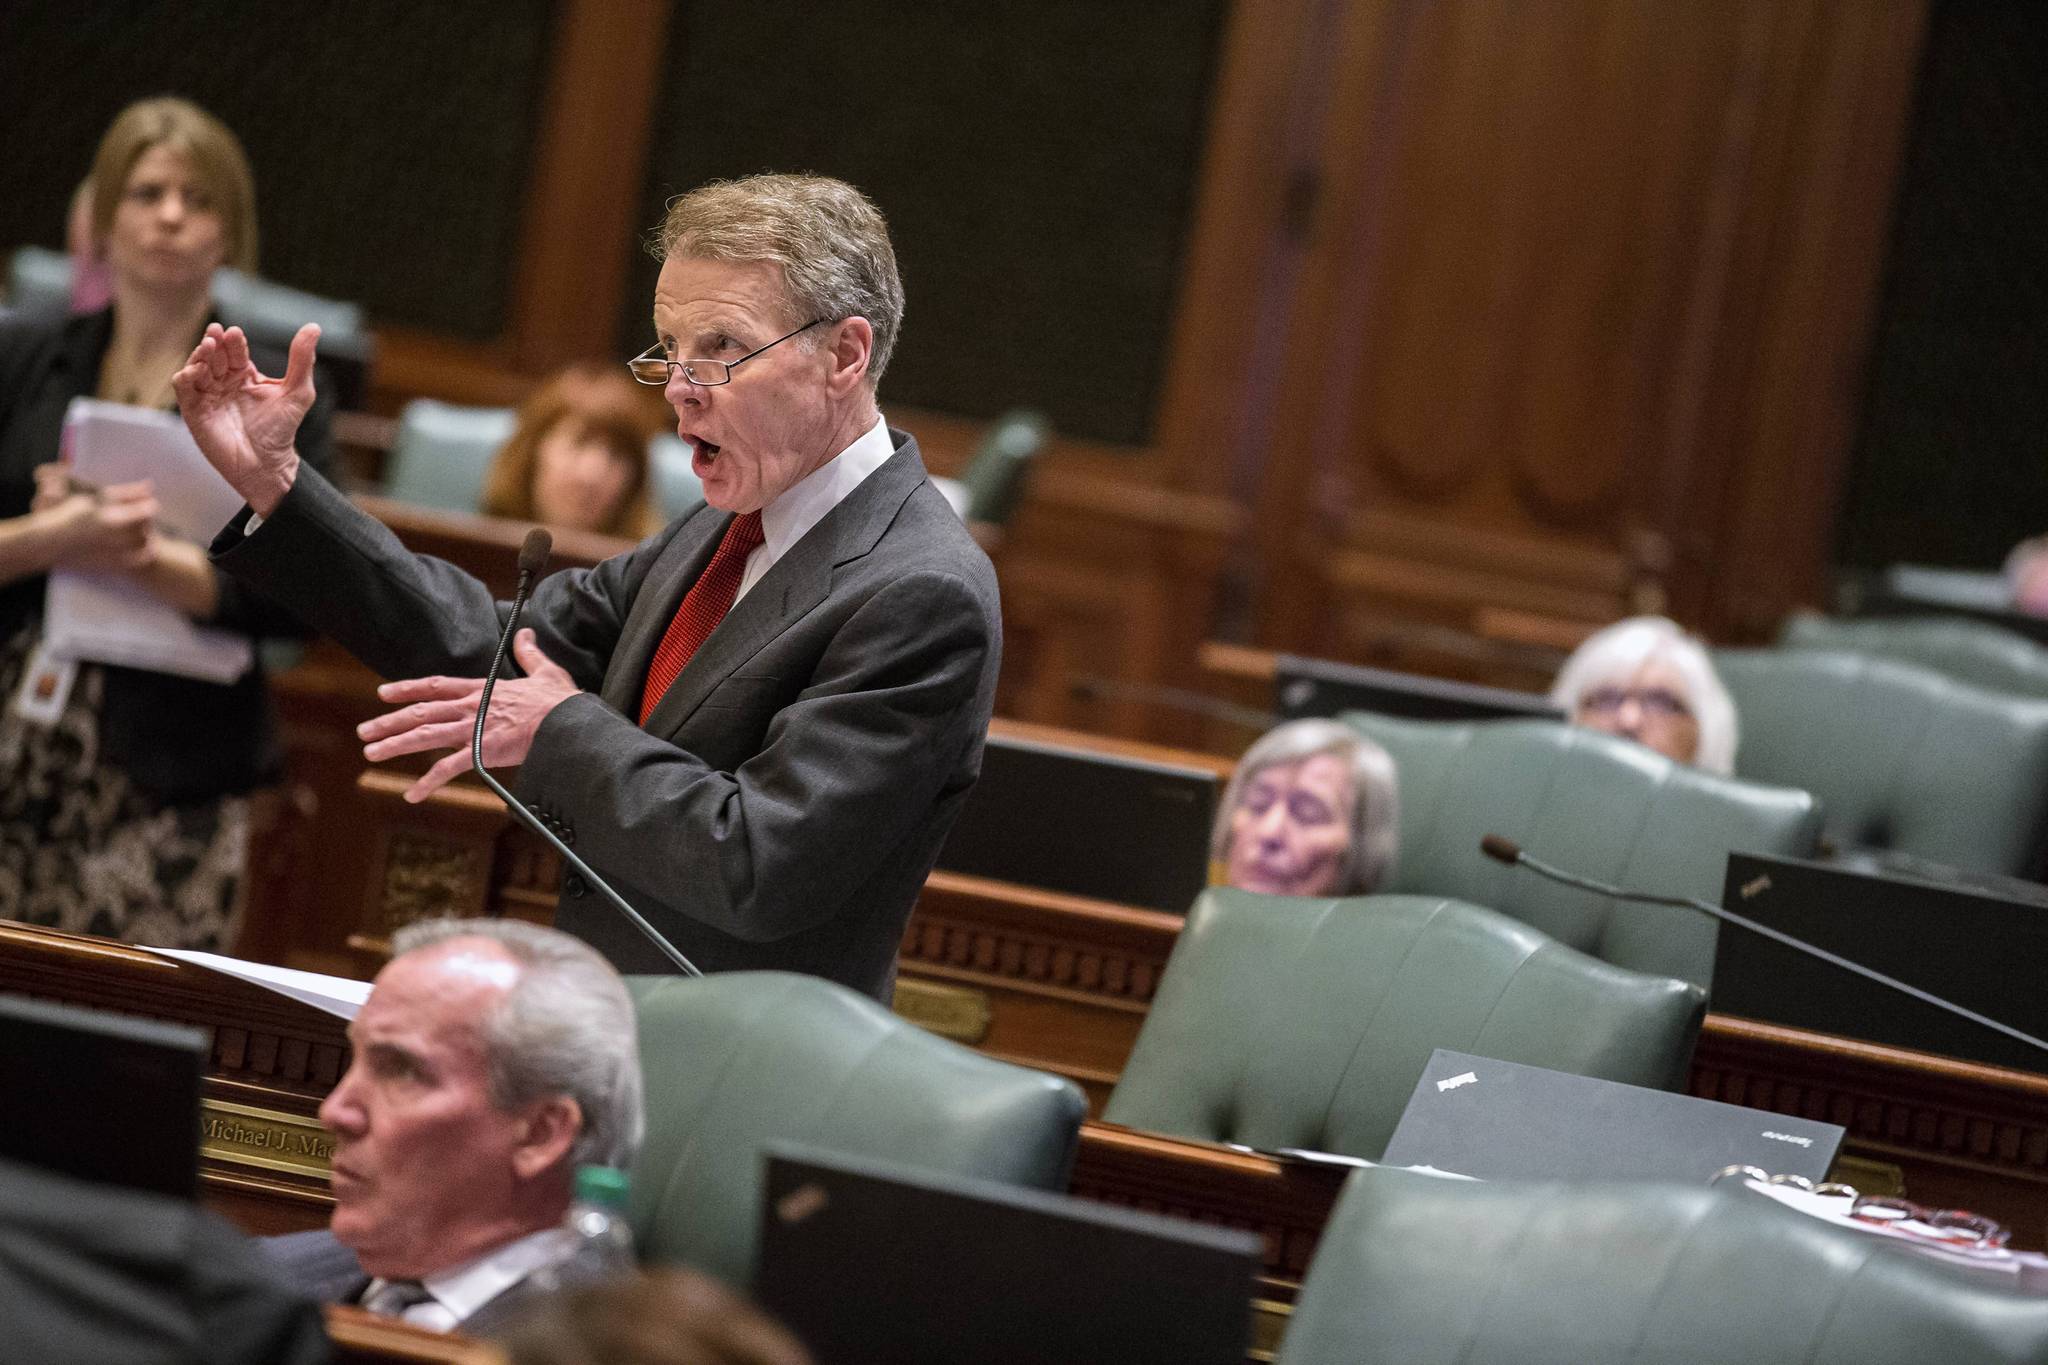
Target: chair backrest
x=736, y=1060
x=1593, y=804
x=1900, y=757
x=39, y=280
x=995, y=474
x=1425, y=1271
x=442, y=451
x=1294, y=1022
x=1967, y=651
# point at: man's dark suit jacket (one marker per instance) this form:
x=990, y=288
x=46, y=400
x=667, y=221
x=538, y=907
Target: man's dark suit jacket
x=790, y=792
x=315, y=1264
x=93, y=1273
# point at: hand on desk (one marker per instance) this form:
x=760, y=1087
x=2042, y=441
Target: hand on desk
x=442, y=715
x=244, y=422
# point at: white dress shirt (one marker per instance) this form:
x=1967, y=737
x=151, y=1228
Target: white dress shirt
x=460, y=1292
x=804, y=504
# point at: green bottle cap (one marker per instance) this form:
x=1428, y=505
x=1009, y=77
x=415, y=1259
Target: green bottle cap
x=607, y=1186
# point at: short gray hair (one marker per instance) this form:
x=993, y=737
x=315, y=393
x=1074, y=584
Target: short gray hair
x=1620, y=649
x=1375, y=806
x=567, y=1027
x=830, y=241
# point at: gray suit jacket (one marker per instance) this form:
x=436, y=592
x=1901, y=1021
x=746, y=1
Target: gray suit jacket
x=788, y=796
x=316, y=1265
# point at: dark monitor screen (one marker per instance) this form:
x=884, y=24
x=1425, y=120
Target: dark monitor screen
x=868, y=1262
x=1958, y=937
x=1304, y=688
x=1086, y=823
x=100, y=1097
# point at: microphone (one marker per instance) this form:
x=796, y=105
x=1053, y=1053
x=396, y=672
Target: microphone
x=1505, y=850
x=533, y=557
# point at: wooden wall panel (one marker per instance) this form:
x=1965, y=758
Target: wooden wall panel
x=1542, y=244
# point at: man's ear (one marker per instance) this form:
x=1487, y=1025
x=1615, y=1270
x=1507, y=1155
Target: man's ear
x=850, y=350
x=552, y=1127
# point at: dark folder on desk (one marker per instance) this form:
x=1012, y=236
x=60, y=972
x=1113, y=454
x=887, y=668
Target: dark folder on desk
x=100, y=1097
x=868, y=1262
x=1503, y=1121
x=1977, y=940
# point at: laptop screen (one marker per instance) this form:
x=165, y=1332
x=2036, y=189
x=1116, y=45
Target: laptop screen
x=100, y=1097
x=868, y=1262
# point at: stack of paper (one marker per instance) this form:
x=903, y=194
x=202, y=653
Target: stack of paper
x=105, y=618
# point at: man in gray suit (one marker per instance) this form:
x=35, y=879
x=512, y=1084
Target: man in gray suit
x=492, y=1059
x=758, y=724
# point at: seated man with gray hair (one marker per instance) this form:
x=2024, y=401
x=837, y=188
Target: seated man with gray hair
x=1312, y=810
x=492, y=1059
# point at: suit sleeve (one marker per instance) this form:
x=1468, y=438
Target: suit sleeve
x=406, y=615
x=848, y=773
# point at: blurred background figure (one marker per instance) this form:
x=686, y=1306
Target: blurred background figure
x=578, y=460
x=124, y=811
x=1312, y=810
x=1645, y=679
x=2026, y=568
x=666, y=1317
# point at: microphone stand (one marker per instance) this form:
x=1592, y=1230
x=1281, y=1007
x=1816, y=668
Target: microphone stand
x=1507, y=851
x=532, y=556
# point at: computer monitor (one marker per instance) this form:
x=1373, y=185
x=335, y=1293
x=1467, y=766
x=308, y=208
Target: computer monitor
x=1086, y=823
x=1975, y=940
x=101, y=1097
x=1320, y=687
x=871, y=1262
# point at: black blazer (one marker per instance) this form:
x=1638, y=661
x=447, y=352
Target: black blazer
x=180, y=739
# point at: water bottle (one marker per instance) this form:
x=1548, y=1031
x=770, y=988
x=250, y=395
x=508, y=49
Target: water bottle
x=599, y=1222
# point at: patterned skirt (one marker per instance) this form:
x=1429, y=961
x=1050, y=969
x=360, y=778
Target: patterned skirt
x=82, y=849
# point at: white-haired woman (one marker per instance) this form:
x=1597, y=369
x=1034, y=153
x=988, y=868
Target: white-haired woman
x=1645, y=679
x=1312, y=810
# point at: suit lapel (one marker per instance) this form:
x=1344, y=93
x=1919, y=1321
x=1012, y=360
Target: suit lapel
x=654, y=606
x=798, y=582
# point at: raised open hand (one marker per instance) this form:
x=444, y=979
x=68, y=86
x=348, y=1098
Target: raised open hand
x=246, y=423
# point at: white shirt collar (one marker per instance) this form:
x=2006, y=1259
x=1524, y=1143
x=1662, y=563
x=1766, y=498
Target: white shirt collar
x=804, y=504
x=459, y=1292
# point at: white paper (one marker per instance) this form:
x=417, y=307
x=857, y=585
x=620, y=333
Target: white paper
x=105, y=618
x=336, y=995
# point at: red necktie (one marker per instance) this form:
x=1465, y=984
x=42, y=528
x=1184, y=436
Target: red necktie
x=704, y=606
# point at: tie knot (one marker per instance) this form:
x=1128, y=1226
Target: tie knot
x=745, y=532
x=390, y=1298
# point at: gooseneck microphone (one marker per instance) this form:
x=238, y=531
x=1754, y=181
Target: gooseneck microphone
x=533, y=557
x=1508, y=851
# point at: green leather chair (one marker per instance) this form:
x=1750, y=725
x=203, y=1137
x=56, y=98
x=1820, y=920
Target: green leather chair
x=740, y=1059
x=1967, y=651
x=1293, y=1022
x=1900, y=757
x=1417, y=1270
x=1589, y=803
x=995, y=475
x=441, y=452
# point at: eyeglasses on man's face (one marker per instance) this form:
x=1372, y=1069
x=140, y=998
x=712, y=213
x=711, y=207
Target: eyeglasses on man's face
x=651, y=367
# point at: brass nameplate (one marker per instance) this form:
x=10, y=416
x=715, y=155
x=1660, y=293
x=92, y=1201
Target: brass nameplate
x=1868, y=1176
x=263, y=1137
x=953, y=1012
x=1269, y=1325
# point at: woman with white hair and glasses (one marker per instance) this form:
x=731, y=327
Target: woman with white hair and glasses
x=1312, y=810
x=1645, y=679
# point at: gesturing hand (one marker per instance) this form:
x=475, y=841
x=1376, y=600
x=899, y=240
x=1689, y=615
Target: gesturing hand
x=245, y=423
x=442, y=713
